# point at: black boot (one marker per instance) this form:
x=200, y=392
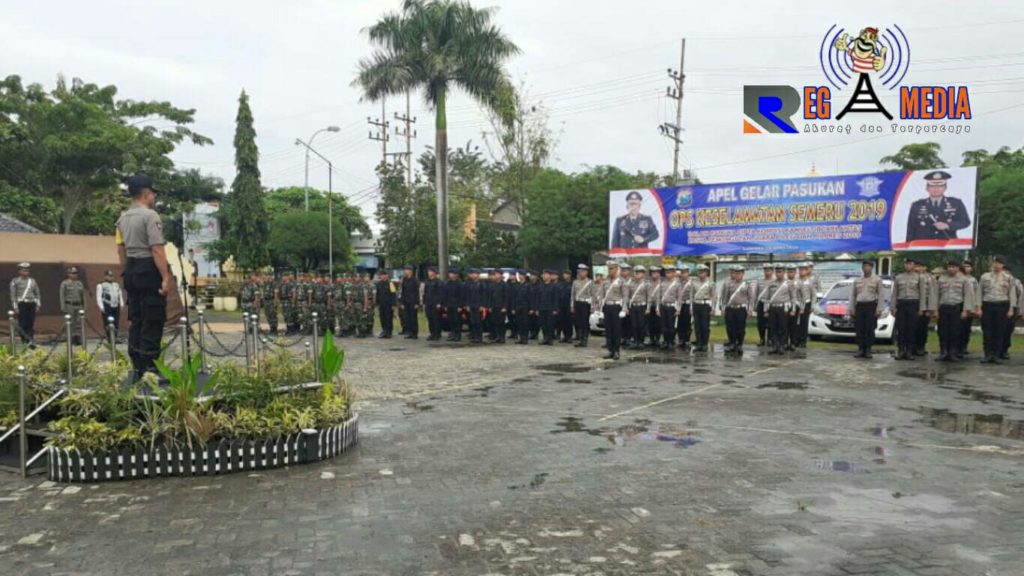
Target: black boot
x=860, y=352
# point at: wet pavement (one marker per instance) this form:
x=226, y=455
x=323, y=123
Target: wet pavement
x=539, y=460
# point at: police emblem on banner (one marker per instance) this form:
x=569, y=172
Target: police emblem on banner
x=869, y=186
x=684, y=197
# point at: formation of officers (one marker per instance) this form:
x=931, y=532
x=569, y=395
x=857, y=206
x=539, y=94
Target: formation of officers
x=642, y=307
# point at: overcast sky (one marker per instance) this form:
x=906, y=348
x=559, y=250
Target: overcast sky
x=597, y=66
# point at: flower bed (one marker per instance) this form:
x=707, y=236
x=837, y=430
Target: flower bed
x=224, y=457
x=186, y=423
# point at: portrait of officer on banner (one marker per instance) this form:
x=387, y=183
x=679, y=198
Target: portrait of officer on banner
x=937, y=217
x=637, y=231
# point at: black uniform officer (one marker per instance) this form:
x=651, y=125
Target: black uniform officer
x=522, y=307
x=432, y=303
x=498, y=305
x=937, y=217
x=533, y=287
x=454, y=298
x=410, y=302
x=633, y=229
x=476, y=305
x=547, y=306
x=565, y=317
x=147, y=278
x=386, y=300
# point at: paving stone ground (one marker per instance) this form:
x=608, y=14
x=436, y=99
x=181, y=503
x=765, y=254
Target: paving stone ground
x=548, y=460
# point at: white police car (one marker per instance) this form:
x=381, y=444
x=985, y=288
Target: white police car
x=831, y=317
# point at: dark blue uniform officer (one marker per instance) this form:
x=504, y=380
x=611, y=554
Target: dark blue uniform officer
x=937, y=217
x=634, y=230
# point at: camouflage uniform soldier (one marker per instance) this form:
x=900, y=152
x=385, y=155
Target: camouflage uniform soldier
x=306, y=304
x=286, y=292
x=341, y=315
x=367, y=301
x=72, y=302
x=270, y=297
x=320, y=296
x=251, y=296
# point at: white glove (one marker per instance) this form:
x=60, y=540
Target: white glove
x=622, y=314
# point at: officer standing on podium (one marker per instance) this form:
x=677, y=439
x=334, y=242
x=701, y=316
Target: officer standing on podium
x=147, y=278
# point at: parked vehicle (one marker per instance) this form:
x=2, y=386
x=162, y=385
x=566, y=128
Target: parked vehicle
x=831, y=317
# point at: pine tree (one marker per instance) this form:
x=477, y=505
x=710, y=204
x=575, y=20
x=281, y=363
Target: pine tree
x=248, y=222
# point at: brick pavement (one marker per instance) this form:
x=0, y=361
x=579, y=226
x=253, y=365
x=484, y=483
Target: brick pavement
x=538, y=460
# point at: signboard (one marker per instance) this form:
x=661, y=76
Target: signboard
x=903, y=210
x=202, y=228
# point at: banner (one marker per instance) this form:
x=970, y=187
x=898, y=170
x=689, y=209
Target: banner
x=904, y=210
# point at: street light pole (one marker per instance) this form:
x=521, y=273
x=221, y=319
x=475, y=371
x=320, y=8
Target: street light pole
x=327, y=129
x=330, y=204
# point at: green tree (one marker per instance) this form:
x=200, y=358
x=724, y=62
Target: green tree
x=920, y=156
x=244, y=219
x=300, y=240
x=434, y=46
x=568, y=215
x=1000, y=209
x=407, y=216
x=490, y=246
x=32, y=209
x=79, y=141
x=520, y=144
x=292, y=199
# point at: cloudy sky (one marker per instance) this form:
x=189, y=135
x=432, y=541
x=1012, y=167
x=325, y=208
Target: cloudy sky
x=598, y=67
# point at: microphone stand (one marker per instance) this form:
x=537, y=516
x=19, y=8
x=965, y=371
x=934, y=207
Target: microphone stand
x=184, y=278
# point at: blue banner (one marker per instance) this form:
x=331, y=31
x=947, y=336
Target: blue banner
x=904, y=210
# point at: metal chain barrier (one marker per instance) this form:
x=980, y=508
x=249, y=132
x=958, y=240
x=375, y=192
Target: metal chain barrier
x=228, y=351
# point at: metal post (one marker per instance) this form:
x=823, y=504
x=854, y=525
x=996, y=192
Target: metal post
x=256, y=342
x=81, y=323
x=245, y=339
x=202, y=342
x=10, y=327
x=67, y=331
x=22, y=435
x=183, y=322
x=110, y=338
x=308, y=357
x=316, y=346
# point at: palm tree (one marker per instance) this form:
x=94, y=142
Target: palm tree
x=433, y=46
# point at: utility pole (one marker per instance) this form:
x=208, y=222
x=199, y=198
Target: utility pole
x=671, y=131
x=381, y=124
x=409, y=134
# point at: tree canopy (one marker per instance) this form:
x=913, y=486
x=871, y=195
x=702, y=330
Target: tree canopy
x=433, y=46
x=78, y=141
x=245, y=223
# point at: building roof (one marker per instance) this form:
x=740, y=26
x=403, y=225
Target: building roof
x=11, y=224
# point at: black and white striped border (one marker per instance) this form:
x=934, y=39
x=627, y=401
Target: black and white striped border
x=221, y=458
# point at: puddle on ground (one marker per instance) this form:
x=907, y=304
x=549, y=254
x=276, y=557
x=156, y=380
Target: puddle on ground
x=701, y=371
x=926, y=373
x=639, y=431
x=574, y=424
x=538, y=479
x=995, y=425
x=984, y=397
x=419, y=407
x=521, y=380
x=565, y=368
x=844, y=466
x=396, y=349
x=785, y=385
x=654, y=360
x=573, y=381
x=484, y=391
